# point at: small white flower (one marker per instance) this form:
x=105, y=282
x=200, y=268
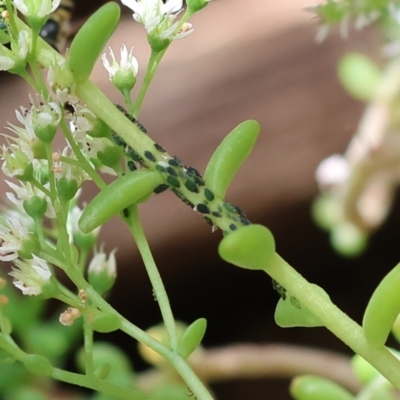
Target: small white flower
x=157, y=17
x=25, y=192
x=332, y=171
x=146, y=11
x=100, y=264
x=31, y=275
x=16, y=57
x=12, y=234
x=36, y=8
x=70, y=171
x=128, y=62
x=17, y=159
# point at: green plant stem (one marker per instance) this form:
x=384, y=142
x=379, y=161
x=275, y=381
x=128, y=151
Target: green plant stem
x=347, y=330
x=98, y=385
x=152, y=66
x=181, y=366
x=88, y=340
x=136, y=228
x=84, y=163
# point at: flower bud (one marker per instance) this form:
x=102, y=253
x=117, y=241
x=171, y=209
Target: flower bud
x=102, y=272
x=35, y=207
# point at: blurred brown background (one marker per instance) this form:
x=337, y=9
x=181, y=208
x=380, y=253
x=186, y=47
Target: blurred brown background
x=246, y=59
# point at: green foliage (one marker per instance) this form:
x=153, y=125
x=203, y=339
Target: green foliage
x=123, y=192
x=192, y=337
x=38, y=364
x=311, y=387
x=229, y=156
x=359, y=76
x=251, y=247
x=91, y=39
x=290, y=313
x=382, y=309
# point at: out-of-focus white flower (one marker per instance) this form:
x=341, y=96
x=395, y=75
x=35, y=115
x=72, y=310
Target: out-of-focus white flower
x=102, y=271
x=157, y=17
x=15, y=59
x=150, y=12
x=36, y=8
x=128, y=63
x=332, y=171
x=31, y=275
x=101, y=263
x=12, y=235
x=25, y=192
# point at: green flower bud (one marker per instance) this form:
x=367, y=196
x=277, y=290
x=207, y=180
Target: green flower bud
x=348, y=240
x=66, y=189
x=29, y=246
x=35, y=207
x=110, y=156
x=359, y=76
x=45, y=133
x=100, y=129
x=39, y=150
x=102, y=272
x=196, y=5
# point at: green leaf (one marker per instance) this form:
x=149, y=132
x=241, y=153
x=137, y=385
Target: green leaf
x=250, y=247
x=359, y=76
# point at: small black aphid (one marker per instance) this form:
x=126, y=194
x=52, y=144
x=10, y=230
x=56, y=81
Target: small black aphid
x=245, y=221
x=202, y=208
x=191, y=186
x=279, y=288
x=125, y=211
x=68, y=106
x=132, y=166
x=180, y=195
x=150, y=156
x=229, y=207
x=192, y=172
x=240, y=212
x=208, y=220
x=118, y=141
x=232, y=227
x=216, y=214
x=175, y=162
x=135, y=156
x=171, y=171
x=159, y=148
x=199, y=180
x=131, y=118
x=209, y=195
x=160, y=168
x=160, y=188
x=172, y=181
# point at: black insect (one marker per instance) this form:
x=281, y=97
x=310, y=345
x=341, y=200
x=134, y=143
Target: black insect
x=57, y=28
